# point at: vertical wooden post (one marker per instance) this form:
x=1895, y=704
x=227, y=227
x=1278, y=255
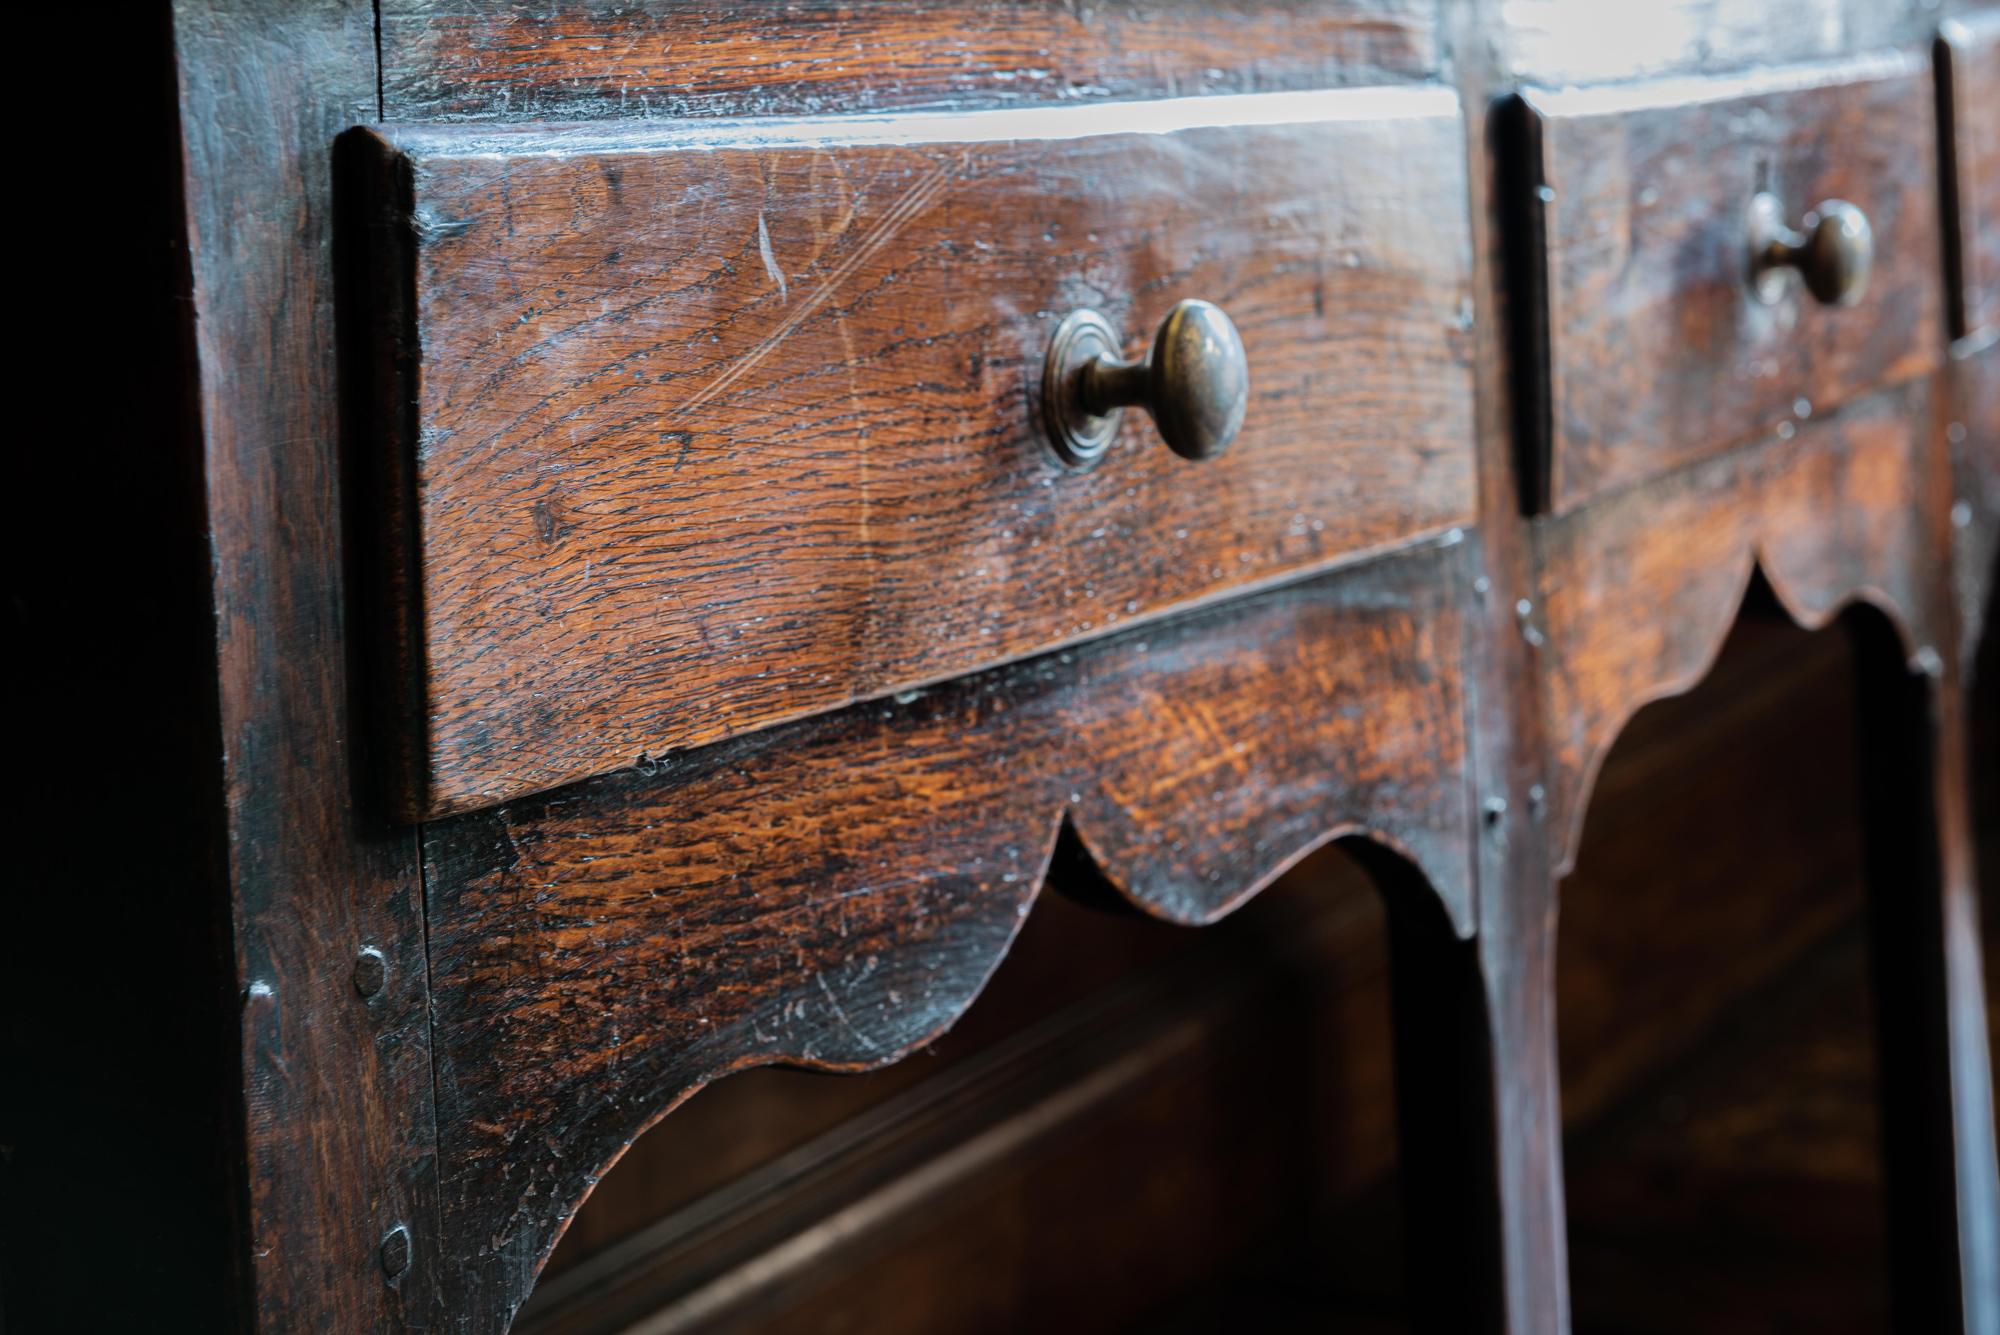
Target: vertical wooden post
x=325, y=895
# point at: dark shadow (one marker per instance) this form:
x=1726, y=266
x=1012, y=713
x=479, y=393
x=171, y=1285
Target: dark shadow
x=1906, y=951
x=123, y=1186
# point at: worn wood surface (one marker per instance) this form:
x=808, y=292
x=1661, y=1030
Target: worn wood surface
x=1848, y=513
x=338, y=1094
x=721, y=427
x=1659, y=941
x=836, y=894
x=1237, y=1079
x=1658, y=353
x=1972, y=434
x=1516, y=940
x=336, y=1089
x=675, y=58
x=1969, y=100
x=1637, y=592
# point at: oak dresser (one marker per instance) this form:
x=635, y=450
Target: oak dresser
x=665, y=527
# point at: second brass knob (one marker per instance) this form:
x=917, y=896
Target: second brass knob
x=1194, y=381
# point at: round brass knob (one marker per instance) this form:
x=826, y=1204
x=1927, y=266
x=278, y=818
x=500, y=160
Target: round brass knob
x=1195, y=382
x=1832, y=255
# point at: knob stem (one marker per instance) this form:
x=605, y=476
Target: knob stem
x=1107, y=383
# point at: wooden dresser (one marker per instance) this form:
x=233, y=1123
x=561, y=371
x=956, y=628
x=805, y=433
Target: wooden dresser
x=650, y=535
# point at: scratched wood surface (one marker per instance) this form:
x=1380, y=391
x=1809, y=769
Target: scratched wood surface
x=504, y=59
x=1657, y=351
x=336, y=1102
x=714, y=428
x=1638, y=592
x=1969, y=75
x=836, y=893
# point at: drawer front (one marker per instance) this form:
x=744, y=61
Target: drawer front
x=1641, y=204
x=705, y=428
x=1969, y=69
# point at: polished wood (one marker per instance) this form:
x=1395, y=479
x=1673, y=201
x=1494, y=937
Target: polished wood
x=1642, y=1234
x=1972, y=434
x=1634, y=608
x=1516, y=943
x=1795, y=510
x=1968, y=71
x=1028, y=1131
x=1658, y=350
x=837, y=894
x=1082, y=1077
x=430, y=1037
x=335, y=1089
x=714, y=429
x=679, y=58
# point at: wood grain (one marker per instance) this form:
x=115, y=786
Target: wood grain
x=1638, y=592
x=1968, y=67
x=1515, y=938
x=335, y=1090
x=719, y=427
x=464, y=59
x=1658, y=938
x=1238, y=1079
x=837, y=893
x=1657, y=352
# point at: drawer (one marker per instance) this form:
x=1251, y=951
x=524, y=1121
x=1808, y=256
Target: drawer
x=1639, y=208
x=1969, y=78
x=697, y=428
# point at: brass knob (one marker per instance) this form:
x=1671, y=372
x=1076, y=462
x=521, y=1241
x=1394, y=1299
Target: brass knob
x=1832, y=255
x=1194, y=381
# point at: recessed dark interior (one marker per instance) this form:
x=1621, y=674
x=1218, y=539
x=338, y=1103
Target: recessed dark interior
x=1721, y=1157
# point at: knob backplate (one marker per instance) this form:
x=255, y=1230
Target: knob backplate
x=1079, y=436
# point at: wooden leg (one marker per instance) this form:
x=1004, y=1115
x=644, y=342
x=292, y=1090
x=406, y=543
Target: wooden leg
x=1937, y=1093
x=1479, y=1124
x=1517, y=969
